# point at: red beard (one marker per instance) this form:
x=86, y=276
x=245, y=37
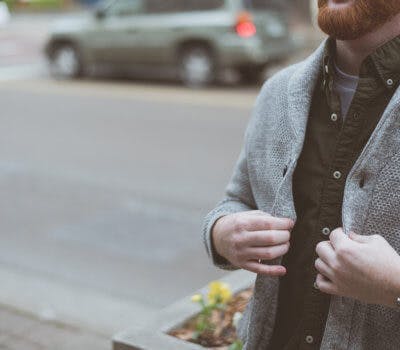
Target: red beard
x=360, y=18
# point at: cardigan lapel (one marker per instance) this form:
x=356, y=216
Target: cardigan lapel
x=300, y=92
x=383, y=143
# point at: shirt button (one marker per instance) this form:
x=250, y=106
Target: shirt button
x=334, y=117
x=356, y=116
x=326, y=231
x=337, y=175
x=309, y=339
x=390, y=82
x=327, y=69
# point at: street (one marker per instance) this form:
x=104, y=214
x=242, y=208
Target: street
x=104, y=186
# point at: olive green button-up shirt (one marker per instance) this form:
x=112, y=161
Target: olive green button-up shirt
x=332, y=145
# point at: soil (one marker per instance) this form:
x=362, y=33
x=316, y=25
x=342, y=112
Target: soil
x=224, y=333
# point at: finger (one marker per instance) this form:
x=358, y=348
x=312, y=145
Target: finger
x=267, y=253
x=325, y=285
x=324, y=269
x=263, y=269
x=338, y=238
x=326, y=252
x=264, y=223
x=267, y=238
x=359, y=238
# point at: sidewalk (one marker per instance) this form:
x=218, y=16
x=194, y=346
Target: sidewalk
x=20, y=331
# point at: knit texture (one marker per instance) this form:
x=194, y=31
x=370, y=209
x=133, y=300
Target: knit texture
x=262, y=179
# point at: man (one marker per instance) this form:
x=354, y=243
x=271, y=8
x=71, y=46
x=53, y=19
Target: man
x=313, y=206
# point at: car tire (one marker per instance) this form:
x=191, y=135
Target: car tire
x=66, y=62
x=197, y=66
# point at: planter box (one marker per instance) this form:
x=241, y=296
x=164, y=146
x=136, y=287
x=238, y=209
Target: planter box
x=153, y=335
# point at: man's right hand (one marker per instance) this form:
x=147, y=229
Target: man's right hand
x=248, y=237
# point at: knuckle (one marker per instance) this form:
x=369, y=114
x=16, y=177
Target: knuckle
x=240, y=223
x=270, y=238
x=343, y=252
x=288, y=224
x=267, y=224
x=237, y=241
x=335, y=265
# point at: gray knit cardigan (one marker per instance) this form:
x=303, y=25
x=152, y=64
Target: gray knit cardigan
x=273, y=142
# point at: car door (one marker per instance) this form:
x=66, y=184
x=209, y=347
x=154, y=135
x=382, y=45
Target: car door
x=116, y=37
x=160, y=29
x=170, y=22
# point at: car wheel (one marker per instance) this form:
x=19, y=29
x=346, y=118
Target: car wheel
x=197, y=66
x=65, y=61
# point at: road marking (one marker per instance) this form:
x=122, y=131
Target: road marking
x=212, y=97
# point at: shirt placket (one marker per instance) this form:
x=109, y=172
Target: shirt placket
x=317, y=303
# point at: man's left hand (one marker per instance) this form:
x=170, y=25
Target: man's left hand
x=365, y=268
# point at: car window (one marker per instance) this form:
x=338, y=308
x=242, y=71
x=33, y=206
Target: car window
x=125, y=8
x=264, y=4
x=201, y=5
x=168, y=6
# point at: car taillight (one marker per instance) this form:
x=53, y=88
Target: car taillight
x=245, y=26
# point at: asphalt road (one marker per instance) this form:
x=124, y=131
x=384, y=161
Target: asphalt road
x=104, y=186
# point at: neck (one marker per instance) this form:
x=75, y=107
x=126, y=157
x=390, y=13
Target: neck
x=351, y=53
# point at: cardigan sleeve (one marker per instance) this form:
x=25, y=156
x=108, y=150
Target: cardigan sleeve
x=239, y=194
x=238, y=198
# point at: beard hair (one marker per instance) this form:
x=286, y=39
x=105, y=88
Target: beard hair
x=357, y=20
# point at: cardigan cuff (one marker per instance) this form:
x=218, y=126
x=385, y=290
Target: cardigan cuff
x=224, y=209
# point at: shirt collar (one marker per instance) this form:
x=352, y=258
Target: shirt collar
x=383, y=64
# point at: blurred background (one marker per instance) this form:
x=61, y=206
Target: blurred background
x=120, y=124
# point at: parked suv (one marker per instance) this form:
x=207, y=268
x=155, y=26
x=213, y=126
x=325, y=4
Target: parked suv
x=194, y=38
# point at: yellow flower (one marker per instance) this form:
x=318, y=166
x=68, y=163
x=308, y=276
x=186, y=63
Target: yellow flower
x=197, y=298
x=219, y=293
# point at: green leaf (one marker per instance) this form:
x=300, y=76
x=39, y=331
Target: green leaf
x=237, y=345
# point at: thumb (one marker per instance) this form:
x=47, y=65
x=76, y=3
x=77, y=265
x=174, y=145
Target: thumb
x=359, y=238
